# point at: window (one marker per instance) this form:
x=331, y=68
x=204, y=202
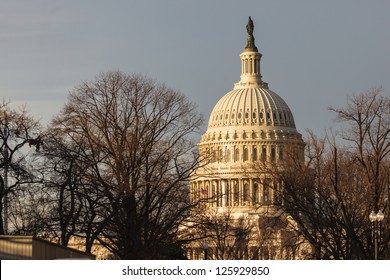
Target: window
x=246, y=192
x=255, y=196
x=254, y=153
x=237, y=154
x=227, y=154
x=236, y=193
x=264, y=153
x=245, y=154
x=266, y=191
x=273, y=154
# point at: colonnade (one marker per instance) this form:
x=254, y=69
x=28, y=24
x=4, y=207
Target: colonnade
x=233, y=192
x=236, y=152
x=250, y=63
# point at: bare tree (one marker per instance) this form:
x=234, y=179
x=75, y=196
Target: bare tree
x=368, y=117
x=331, y=194
x=62, y=177
x=226, y=235
x=17, y=131
x=136, y=139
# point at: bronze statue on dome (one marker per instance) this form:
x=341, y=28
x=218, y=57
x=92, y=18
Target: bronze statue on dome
x=249, y=27
x=250, y=45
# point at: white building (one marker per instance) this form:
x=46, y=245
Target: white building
x=248, y=126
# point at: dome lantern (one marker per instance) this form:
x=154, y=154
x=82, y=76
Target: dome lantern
x=250, y=61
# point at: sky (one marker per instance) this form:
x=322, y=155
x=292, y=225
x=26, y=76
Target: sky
x=315, y=53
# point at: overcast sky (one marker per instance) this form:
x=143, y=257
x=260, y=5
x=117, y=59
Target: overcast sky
x=315, y=53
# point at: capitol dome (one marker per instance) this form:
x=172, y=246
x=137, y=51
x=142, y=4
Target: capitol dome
x=249, y=124
x=251, y=111
x=250, y=127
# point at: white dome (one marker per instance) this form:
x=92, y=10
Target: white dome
x=251, y=106
x=251, y=113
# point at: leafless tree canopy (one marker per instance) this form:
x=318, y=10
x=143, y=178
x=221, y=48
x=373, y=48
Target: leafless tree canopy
x=17, y=131
x=331, y=195
x=134, y=138
x=227, y=237
x=368, y=119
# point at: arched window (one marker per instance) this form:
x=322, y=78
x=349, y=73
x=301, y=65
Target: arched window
x=264, y=153
x=245, y=154
x=227, y=154
x=236, y=154
x=254, y=153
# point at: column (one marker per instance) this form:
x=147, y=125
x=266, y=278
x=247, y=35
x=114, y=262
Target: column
x=223, y=193
x=240, y=192
x=251, y=191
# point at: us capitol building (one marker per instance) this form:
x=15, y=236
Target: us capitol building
x=248, y=126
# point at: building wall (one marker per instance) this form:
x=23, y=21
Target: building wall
x=33, y=248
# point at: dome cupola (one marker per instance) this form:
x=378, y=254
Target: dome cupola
x=251, y=105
